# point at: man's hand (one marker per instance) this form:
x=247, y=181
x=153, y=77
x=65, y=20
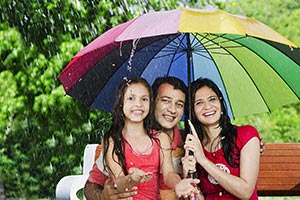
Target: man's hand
x=94, y=191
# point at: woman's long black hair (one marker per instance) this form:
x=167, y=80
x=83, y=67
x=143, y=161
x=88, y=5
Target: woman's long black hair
x=228, y=133
x=115, y=131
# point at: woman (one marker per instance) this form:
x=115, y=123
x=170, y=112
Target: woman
x=227, y=156
x=134, y=153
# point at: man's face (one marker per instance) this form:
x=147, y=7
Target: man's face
x=169, y=106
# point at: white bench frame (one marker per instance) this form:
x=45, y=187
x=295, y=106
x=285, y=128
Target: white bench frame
x=68, y=186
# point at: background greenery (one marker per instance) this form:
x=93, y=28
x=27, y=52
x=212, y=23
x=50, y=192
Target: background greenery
x=42, y=131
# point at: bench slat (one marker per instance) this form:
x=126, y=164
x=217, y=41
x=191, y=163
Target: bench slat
x=271, y=167
x=279, y=159
x=283, y=152
x=283, y=146
x=280, y=174
x=279, y=170
x=289, y=182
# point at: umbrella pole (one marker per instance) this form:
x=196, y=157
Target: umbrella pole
x=191, y=172
x=189, y=58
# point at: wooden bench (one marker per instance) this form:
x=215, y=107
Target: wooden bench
x=279, y=172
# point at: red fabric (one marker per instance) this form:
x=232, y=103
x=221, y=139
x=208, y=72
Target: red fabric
x=147, y=163
x=97, y=176
x=213, y=191
x=177, y=139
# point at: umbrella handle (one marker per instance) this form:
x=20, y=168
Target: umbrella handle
x=192, y=175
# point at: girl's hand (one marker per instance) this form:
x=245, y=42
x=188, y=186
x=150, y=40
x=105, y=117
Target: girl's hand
x=186, y=188
x=139, y=176
x=192, y=143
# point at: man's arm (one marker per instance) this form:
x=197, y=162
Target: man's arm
x=93, y=191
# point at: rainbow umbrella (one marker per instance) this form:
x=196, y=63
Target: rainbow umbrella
x=257, y=69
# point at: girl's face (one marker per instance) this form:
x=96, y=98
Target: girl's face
x=207, y=106
x=136, y=102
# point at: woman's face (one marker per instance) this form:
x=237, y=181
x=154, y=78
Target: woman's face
x=207, y=106
x=136, y=102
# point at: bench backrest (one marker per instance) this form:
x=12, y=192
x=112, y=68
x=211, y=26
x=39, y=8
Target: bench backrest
x=279, y=172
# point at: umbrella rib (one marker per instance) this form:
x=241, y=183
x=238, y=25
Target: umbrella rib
x=181, y=53
x=208, y=52
x=175, y=48
x=284, y=80
x=179, y=50
x=225, y=49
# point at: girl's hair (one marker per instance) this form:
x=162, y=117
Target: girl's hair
x=115, y=131
x=228, y=133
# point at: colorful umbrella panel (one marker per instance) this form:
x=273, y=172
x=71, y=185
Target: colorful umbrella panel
x=255, y=74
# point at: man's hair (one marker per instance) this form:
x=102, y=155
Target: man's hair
x=175, y=82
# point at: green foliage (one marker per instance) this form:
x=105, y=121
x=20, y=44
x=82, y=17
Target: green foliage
x=43, y=132
x=282, y=125
x=282, y=16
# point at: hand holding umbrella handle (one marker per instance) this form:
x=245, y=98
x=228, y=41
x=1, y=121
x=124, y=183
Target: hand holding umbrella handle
x=192, y=175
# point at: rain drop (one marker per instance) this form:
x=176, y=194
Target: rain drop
x=120, y=48
x=51, y=167
x=134, y=46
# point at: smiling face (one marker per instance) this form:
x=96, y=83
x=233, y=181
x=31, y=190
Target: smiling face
x=136, y=102
x=169, y=106
x=207, y=107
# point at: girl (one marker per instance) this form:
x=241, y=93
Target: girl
x=133, y=153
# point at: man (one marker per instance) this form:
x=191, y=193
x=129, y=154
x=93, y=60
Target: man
x=170, y=97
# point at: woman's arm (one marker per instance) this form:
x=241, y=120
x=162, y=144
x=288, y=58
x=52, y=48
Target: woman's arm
x=242, y=186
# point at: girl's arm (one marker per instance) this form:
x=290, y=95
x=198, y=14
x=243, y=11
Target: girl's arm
x=122, y=182
x=242, y=186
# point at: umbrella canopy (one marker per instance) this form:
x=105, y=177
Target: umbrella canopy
x=257, y=69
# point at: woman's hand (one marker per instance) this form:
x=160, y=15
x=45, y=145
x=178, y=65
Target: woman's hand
x=192, y=143
x=139, y=176
x=188, y=163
